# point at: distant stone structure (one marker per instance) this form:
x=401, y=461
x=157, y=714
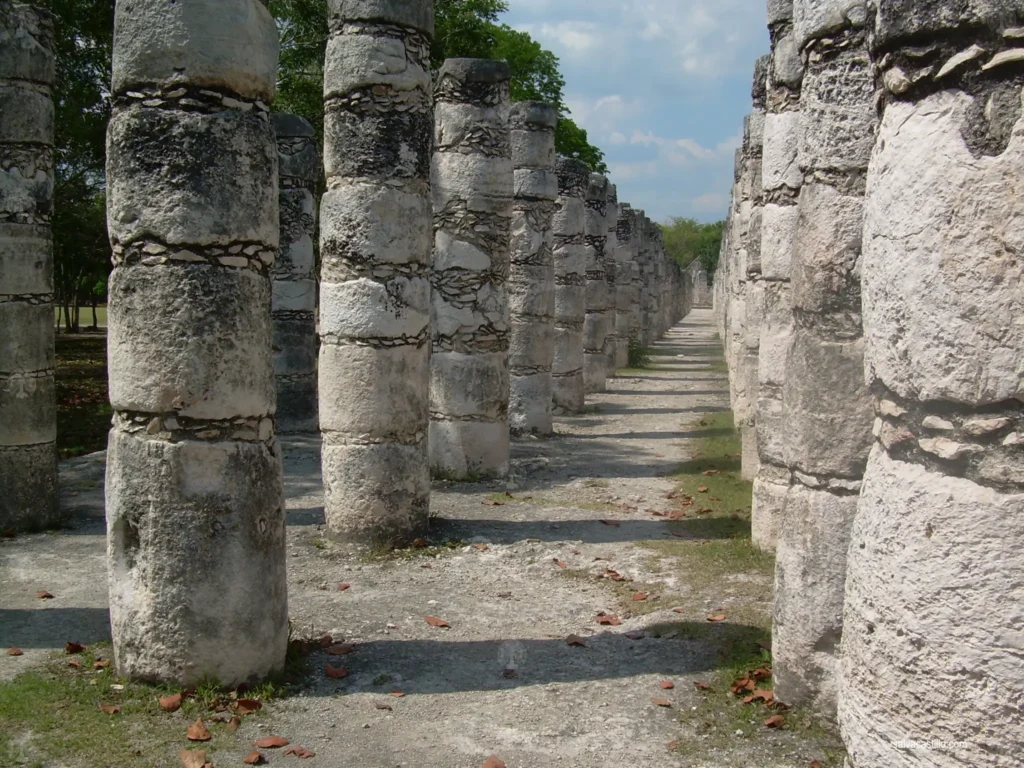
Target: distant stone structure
x=293, y=305
x=625, y=265
x=531, y=281
x=375, y=247
x=598, y=318
x=570, y=286
x=472, y=186
x=195, y=507
x=28, y=412
x=611, y=248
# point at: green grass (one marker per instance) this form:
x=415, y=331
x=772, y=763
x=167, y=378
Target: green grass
x=83, y=407
x=387, y=555
x=84, y=317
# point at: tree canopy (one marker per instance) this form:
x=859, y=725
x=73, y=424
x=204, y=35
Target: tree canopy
x=688, y=239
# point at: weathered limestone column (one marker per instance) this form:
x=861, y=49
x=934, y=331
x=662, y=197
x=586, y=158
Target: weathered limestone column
x=826, y=404
x=753, y=294
x=375, y=240
x=471, y=178
x=597, y=321
x=636, y=277
x=781, y=181
x=531, y=279
x=28, y=411
x=625, y=263
x=570, y=286
x=195, y=508
x=612, y=340
x=294, y=283
x=647, y=265
x=931, y=649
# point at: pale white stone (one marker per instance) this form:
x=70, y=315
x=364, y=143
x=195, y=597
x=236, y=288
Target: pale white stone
x=945, y=448
x=365, y=308
x=957, y=61
x=1004, y=57
x=980, y=427
x=935, y=422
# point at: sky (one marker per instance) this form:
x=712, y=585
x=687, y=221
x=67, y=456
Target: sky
x=661, y=86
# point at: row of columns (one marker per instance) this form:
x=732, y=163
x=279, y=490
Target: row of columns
x=868, y=277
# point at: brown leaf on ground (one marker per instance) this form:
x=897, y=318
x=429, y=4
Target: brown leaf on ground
x=766, y=645
x=575, y=640
x=668, y=685
x=608, y=619
x=678, y=610
x=436, y=622
x=344, y=587
x=325, y=641
x=635, y=635
x=702, y=489
x=419, y=543
x=480, y=547
x=382, y=705
x=271, y=742
x=661, y=701
x=234, y=723
x=714, y=498
x=761, y=673
x=493, y=762
x=192, y=758
x=42, y=594
x=574, y=552
x=300, y=752
x=613, y=575
x=75, y=664
x=709, y=472
x=101, y=664
x=254, y=758
x=341, y=649
x=612, y=523
x=716, y=617
x=559, y=563
x=493, y=503
x=702, y=686
x=247, y=706
x=335, y=673
x=198, y=731
x=775, y=721
x=71, y=647
x=170, y=703
x=397, y=693
x=742, y=685
x=639, y=597
x=504, y=595
x=815, y=764
x=15, y=652
x=110, y=709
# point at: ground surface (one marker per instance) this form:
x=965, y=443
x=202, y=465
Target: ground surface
x=513, y=568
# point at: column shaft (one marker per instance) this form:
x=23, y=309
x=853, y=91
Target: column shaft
x=570, y=286
x=596, y=322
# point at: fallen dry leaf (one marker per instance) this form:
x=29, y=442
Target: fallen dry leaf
x=110, y=709
x=170, y=703
x=761, y=673
x=247, y=706
x=574, y=552
x=635, y=635
x=575, y=640
x=701, y=686
x=480, y=546
x=661, y=701
x=75, y=664
x=504, y=594
x=42, y=594
x=344, y=587
x=335, y=673
x=815, y=764
x=198, y=731
x=382, y=705
x=397, y=693
x=192, y=758
x=493, y=762
x=300, y=752
x=436, y=622
x=775, y=721
x=271, y=742
x=708, y=472
x=639, y=597
x=702, y=489
x=560, y=563
x=15, y=652
x=612, y=523
x=668, y=685
x=253, y=758
x=234, y=723
x=325, y=641
x=419, y=543
x=678, y=610
x=341, y=649
x=71, y=647
x=101, y=664
x=705, y=511
x=716, y=617
x=608, y=619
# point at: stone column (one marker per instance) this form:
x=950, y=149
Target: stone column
x=294, y=283
x=375, y=237
x=570, y=288
x=648, y=328
x=28, y=412
x=471, y=178
x=826, y=404
x=611, y=341
x=932, y=644
x=625, y=263
x=595, y=326
x=636, y=277
x=781, y=181
x=531, y=279
x=195, y=508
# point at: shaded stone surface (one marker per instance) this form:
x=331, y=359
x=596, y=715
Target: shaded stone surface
x=28, y=412
x=598, y=318
x=570, y=286
x=195, y=508
x=472, y=187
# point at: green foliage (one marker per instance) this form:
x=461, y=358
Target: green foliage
x=688, y=239
x=639, y=355
x=302, y=25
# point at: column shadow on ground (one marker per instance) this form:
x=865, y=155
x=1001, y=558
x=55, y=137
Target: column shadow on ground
x=52, y=627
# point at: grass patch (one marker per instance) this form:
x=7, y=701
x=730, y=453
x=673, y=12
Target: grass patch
x=51, y=715
x=83, y=407
x=638, y=356
x=384, y=554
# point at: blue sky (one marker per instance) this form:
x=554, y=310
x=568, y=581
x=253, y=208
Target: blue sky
x=661, y=86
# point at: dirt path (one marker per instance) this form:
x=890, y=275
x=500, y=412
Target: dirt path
x=502, y=679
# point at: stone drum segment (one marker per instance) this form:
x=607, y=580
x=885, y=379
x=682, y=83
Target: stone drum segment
x=531, y=280
x=294, y=284
x=28, y=413
x=375, y=243
x=570, y=287
x=472, y=186
x=195, y=508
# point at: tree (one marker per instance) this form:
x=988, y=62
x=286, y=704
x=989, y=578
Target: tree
x=687, y=239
